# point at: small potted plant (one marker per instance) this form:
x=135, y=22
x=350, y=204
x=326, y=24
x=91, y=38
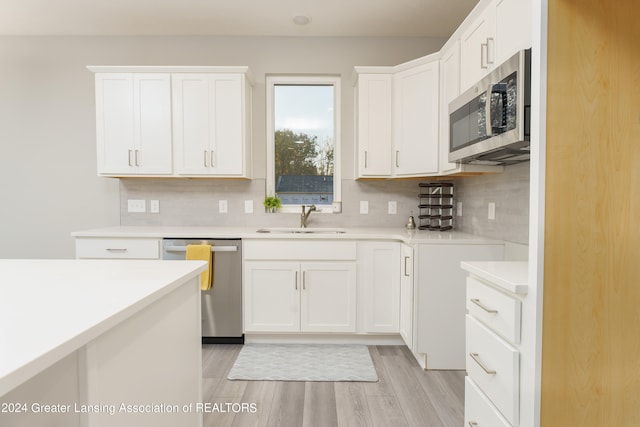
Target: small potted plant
x=271, y=203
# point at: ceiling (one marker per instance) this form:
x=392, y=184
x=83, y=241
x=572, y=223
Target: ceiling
x=346, y=18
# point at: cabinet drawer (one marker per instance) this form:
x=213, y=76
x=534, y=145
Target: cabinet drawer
x=500, y=312
x=117, y=248
x=494, y=366
x=299, y=250
x=478, y=409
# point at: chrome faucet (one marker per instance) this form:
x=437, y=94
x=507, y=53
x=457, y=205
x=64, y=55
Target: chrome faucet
x=305, y=215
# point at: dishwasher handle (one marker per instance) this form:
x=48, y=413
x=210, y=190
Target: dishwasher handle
x=174, y=248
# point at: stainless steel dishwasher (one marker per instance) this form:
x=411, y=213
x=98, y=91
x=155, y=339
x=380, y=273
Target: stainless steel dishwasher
x=222, y=304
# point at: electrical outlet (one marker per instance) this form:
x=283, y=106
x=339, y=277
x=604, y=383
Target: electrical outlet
x=223, y=206
x=364, y=207
x=136, y=205
x=492, y=210
x=154, y=206
x=393, y=207
x=248, y=206
x=459, y=209
x=336, y=207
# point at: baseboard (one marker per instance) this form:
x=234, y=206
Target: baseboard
x=395, y=339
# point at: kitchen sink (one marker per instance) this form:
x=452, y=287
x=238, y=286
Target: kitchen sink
x=286, y=230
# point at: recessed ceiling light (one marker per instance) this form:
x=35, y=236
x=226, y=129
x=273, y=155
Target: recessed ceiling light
x=301, y=19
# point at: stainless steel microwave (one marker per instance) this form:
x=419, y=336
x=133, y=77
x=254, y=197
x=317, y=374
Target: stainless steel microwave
x=489, y=123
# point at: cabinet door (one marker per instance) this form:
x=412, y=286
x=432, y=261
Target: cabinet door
x=227, y=125
x=379, y=286
x=191, y=134
x=152, y=123
x=416, y=123
x=513, y=27
x=328, y=297
x=374, y=124
x=114, y=122
x=406, y=295
x=441, y=296
x=477, y=48
x=271, y=292
x=133, y=123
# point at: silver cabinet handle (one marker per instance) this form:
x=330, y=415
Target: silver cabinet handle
x=475, y=357
x=137, y=157
x=405, y=265
x=477, y=302
x=212, y=161
x=473, y=424
x=205, y=159
x=365, y=159
x=490, y=42
x=129, y=158
x=483, y=55
x=304, y=277
x=397, y=153
x=117, y=250
x=296, y=280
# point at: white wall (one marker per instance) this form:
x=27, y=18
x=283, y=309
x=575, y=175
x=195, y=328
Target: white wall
x=48, y=176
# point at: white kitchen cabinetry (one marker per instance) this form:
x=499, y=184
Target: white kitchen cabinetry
x=477, y=48
x=440, y=298
x=379, y=286
x=416, y=120
x=406, y=295
x=117, y=248
x=374, y=115
x=211, y=125
x=133, y=123
x=493, y=325
x=513, y=27
x=293, y=286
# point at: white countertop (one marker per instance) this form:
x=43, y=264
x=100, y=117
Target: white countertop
x=510, y=275
x=51, y=308
x=351, y=233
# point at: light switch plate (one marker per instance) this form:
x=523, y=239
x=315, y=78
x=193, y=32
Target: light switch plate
x=364, y=207
x=136, y=205
x=248, y=206
x=336, y=207
x=492, y=210
x=459, y=209
x=223, y=206
x=393, y=207
x=154, y=206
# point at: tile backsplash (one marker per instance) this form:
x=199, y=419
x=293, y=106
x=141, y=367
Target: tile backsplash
x=185, y=202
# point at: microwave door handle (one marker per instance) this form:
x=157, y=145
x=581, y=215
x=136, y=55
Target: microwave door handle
x=487, y=111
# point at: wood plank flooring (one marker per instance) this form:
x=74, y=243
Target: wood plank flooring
x=405, y=395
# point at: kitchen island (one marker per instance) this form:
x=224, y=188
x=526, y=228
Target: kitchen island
x=100, y=343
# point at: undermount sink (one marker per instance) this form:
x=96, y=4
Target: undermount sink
x=285, y=230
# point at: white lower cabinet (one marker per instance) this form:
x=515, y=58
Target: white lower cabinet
x=117, y=248
x=406, y=295
x=478, y=409
x=302, y=295
x=379, y=286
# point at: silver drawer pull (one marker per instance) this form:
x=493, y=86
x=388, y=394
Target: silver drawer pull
x=475, y=357
x=473, y=424
x=119, y=250
x=477, y=302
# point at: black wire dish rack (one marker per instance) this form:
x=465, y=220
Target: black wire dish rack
x=436, y=206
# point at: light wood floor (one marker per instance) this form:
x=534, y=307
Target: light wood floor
x=405, y=395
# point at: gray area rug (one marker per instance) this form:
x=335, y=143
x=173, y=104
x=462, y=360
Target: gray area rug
x=304, y=362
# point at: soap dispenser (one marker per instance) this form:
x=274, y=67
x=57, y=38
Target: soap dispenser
x=411, y=223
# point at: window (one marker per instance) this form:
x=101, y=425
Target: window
x=303, y=128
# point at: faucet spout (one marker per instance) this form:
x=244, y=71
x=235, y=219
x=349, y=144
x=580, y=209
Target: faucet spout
x=305, y=215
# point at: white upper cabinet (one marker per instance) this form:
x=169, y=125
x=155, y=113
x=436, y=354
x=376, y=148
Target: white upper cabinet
x=449, y=90
x=416, y=120
x=374, y=116
x=513, y=27
x=501, y=29
x=210, y=125
x=133, y=124
x=477, y=48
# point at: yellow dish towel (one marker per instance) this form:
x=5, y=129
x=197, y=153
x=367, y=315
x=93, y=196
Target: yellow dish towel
x=203, y=253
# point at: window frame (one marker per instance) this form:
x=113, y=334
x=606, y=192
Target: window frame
x=332, y=80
